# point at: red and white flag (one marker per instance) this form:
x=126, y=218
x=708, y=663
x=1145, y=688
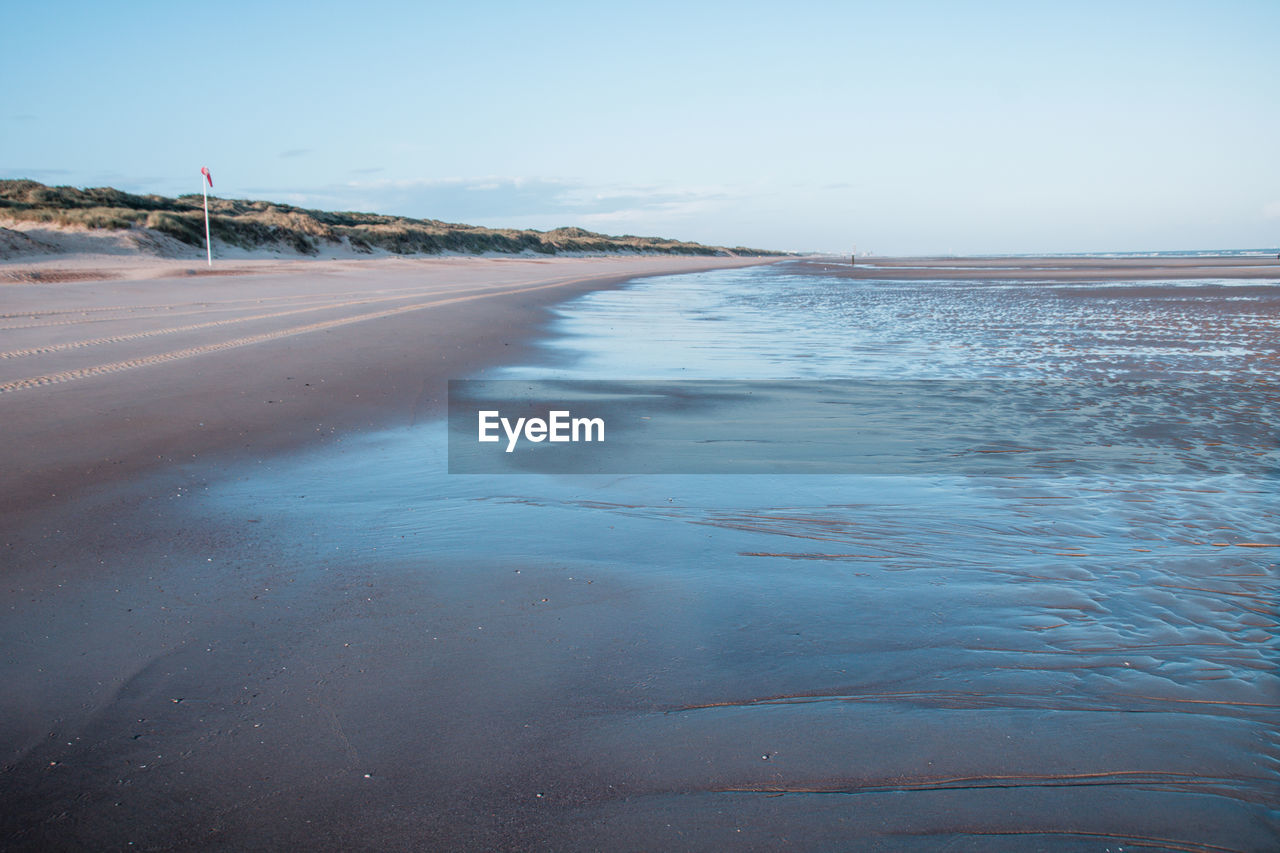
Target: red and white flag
x=208, y=241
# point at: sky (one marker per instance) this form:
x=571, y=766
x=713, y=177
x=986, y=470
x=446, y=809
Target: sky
x=907, y=127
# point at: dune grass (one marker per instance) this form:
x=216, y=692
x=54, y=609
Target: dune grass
x=255, y=224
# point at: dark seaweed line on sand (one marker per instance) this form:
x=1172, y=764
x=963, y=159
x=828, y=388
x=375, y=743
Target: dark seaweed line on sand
x=1209, y=707
x=1155, y=780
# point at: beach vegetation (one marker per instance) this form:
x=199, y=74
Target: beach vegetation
x=263, y=224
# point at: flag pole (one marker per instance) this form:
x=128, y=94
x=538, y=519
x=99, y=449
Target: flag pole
x=208, y=244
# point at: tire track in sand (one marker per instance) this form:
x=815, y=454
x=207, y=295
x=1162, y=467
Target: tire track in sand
x=193, y=327
x=131, y=312
x=235, y=343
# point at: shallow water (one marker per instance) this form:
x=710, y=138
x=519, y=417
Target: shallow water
x=921, y=661
x=769, y=323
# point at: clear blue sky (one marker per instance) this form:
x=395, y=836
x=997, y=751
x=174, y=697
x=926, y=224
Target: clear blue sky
x=901, y=127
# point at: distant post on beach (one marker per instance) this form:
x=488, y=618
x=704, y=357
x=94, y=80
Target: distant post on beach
x=853, y=257
x=208, y=244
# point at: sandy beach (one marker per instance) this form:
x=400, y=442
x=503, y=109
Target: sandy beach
x=246, y=609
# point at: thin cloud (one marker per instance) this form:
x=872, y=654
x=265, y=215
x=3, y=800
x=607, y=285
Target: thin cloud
x=33, y=174
x=516, y=201
x=294, y=152
x=129, y=183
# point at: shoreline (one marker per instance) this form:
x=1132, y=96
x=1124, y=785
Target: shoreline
x=102, y=381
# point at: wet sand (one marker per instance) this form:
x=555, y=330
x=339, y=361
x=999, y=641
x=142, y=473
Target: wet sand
x=321, y=640
x=125, y=381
